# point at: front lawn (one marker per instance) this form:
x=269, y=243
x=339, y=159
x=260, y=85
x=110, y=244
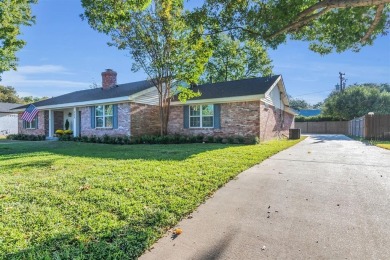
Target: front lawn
x=383, y=144
x=66, y=200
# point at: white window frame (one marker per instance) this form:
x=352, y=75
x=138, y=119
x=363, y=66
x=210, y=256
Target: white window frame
x=104, y=116
x=29, y=125
x=200, y=116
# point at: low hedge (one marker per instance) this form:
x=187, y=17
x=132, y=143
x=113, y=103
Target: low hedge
x=156, y=139
x=316, y=118
x=26, y=137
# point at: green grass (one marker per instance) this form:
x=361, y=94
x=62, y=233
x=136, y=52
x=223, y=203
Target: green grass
x=383, y=144
x=379, y=143
x=65, y=200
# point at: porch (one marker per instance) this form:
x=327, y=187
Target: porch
x=56, y=119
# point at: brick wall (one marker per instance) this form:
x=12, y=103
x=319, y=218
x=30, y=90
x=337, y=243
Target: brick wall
x=144, y=119
x=123, y=122
x=239, y=118
x=274, y=122
x=41, y=125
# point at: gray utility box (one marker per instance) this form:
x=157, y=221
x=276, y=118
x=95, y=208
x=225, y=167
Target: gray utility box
x=294, y=133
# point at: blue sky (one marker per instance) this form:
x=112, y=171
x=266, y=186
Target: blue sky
x=63, y=54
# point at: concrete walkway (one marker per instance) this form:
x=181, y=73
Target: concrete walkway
x=326, y=198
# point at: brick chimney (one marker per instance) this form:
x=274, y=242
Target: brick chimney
x=108, y=79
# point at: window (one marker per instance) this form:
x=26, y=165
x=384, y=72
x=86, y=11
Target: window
x=31, y=125
x=202, y=116
x=104, y=116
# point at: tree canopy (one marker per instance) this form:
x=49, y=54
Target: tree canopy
x=329, y=25
x=358, y=100
x=160, y=40
x=9, y=95
x=234, y=59
x=13, y=14
x=299, y=104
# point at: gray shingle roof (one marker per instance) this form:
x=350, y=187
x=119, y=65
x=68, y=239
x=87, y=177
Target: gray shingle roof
x=236, y=88
x=121, y=90
x=5, y=107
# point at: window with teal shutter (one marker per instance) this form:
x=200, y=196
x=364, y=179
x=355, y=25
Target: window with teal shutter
x=92, y=109
x=115, y=116
x=217, y=116
x=202, y=116
x=186, y=116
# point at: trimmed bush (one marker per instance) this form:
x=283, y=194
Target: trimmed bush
x=316, y=118
x=25, y=137
x=156, y=139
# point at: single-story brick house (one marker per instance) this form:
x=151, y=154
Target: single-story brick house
x=8, y=118
x=249, y=107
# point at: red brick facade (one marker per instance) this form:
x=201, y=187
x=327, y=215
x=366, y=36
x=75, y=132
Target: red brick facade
x=133, y=119
x=239, y=119
x=247, y=119
x=123, y=122
x=41, y=125
x=144, y=120
x=274, y=122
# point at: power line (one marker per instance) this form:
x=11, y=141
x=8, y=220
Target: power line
x=312, y=93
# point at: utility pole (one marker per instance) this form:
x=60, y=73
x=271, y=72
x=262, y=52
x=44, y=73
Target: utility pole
x=343, y=80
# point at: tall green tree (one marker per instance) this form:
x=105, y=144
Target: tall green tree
x=9, y=95
x=31, y=99
x=299, y=104
x=233, y=59
x=329, y=25
x=356, y=101
x=160, y=40
x=13, y=14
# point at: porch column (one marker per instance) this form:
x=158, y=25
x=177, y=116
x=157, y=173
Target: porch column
x=75, y=122
x=51, y=123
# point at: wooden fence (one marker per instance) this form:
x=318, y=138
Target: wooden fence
x=370, y=127
x=325, y=127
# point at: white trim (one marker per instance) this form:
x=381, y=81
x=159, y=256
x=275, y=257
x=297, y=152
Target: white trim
x=51, y=123
x=84, y=103
x=220, y=100
x=104, y=116
x=200, y=117
x=95, y=102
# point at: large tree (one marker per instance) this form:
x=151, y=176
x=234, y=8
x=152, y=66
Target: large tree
x=357, y=100
x=329, y=25
x=13, y=14
x=160, y=40
x=9, y=95
x=234, y=59
x=299, y=104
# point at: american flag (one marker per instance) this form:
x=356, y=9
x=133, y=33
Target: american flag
x=30, y=112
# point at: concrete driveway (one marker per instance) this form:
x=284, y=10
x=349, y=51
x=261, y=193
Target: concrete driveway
x=326, y=198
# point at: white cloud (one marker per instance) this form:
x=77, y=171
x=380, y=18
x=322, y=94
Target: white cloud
x=42, y=69
x=43, y=80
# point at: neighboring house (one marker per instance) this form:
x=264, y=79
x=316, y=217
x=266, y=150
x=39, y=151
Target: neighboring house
x=250, y=107
x=8, y=119
x=309, y=112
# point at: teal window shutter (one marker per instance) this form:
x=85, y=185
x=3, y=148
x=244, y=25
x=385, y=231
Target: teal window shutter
x=115, y=116
x=217, y=116
x=24, y=124
x=36, y=122
x=92, y=117
x=186, y=115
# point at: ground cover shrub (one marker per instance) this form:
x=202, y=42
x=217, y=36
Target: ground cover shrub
x=25, y=137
